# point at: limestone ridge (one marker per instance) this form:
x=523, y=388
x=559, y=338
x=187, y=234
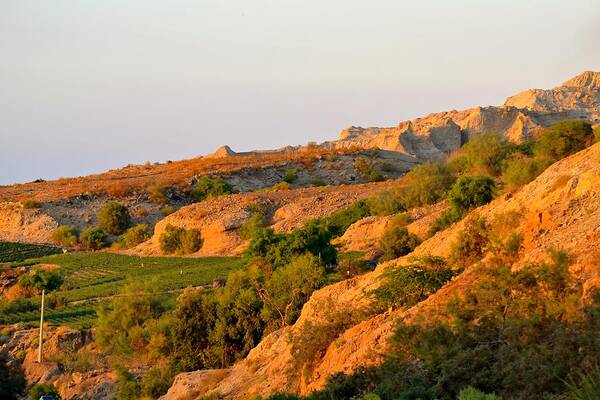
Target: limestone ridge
x=432, y=137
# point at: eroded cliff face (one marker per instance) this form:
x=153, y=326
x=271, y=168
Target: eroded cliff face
x=520, y=118
x=561, y=208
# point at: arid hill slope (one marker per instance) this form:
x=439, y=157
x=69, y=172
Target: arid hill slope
x=561, y=208
x=218, y=219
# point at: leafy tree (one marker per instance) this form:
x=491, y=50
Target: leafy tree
x=472, y=242
x=42, y=279
x=66, y=236
x=135, y=235
x=121, y=328
x=484, y=153
x=427, y=183
x=564, y=138
x=469, y=192
x=289, y=288
x=520, y=170
x=93, y=239
x=180, y=240
x=127, y=386
x=207, y=187
x=397, y=242
x=114, y=218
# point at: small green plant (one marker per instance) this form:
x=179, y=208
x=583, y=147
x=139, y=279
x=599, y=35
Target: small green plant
x=66, y=236
x=136, y=235
x=291, y=175
x=366, y=169
x=180, y=240
x=585, y=385
x=114, y=218
x=31, y=204
x=93, y=239
x=207, y=187
x=471, y=393
x=158, y=194
x=397, y=242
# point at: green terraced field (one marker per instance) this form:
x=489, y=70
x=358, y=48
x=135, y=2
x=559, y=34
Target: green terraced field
x=10, y=251
x=92, y=277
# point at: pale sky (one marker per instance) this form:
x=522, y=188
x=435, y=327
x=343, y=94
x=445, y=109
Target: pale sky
x=86, y=86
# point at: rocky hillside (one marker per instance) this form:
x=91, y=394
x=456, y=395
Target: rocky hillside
x=560, y=208
x=219, y=219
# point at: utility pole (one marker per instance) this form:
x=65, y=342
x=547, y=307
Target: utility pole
x=41, y=328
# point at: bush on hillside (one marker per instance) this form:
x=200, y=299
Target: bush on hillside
x=114, y=218
x=397, y=242
x=291, y=175
x=180, y=240
x=257, y=221
x=135, y=235
x=519, y=170
x=31, y=204
x=208, y=187
x=472, y=242
x=158, y=194
x=407, y=285
x=470, y=192
x=66, y=236
x=427, y=183
x=483, y=154
x=93, y=239
x=384, y=203
x=564, y=138
x=366, y=169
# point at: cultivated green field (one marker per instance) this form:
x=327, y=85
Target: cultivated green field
x=10, y=251
x=93, y=277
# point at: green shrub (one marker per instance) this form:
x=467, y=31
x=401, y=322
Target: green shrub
x=180, y=240
x=472, y=242
x=114, y=218
x=43, y=389
x=127, y=386
x=66, y=236
x=93, y=239
x=31, y=204
x=564, y=138
x=366, y=169
x=158, y=194
x=597, y=133
x=427, y=183
x=135, y=235
x=384, y=203
x=207, y=187
x=318, y=182
x=339, y=221
x=157, y=380
x=407, y=285
x=520, y=170
x=257, y=221
x=445, y=220
x=291, y=175
x=167, y=210
x=397, y=242
x=471, y=393
x=469, y=192
x=484, y=153
x=41, y=279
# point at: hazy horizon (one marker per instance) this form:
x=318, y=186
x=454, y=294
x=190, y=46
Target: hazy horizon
x=87, y=87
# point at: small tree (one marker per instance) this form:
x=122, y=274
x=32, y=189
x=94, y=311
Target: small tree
x=210, y=187
x=66, y=236
x=564, y=138
x=44, y=281
x=93, y=239
x=427, y=183
x=114, y=218
x=136, y=235
x=470, y=192
x=180, y=240
x=397, y=242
